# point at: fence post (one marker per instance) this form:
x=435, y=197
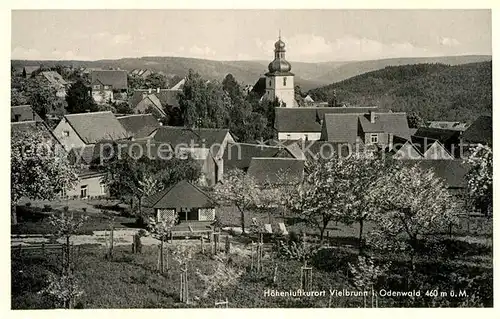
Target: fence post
x=228, y=245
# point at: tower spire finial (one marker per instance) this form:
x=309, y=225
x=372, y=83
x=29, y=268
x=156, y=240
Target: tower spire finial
x=279, y=34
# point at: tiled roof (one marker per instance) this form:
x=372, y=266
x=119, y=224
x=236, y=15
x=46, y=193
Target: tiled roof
x=260, y=86
x=181, y=195
x=169, y=97
x=97, y=126
x=341, y=128
x=308, y=119
x=391, y=122
x=116, y=78
x=480, y=131
x=34, y=127
x=276, y=170
x=445, y=136
x=345, y=127
x=54, y=78
x=239, y=155
x=177, y=135
x=24, y=113
x=139, y=125
x=166, y=97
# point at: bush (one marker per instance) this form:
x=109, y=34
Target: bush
x=65, y=208
x=84, y=209
x=47, y=208
x=28, y=204
x=293, y=250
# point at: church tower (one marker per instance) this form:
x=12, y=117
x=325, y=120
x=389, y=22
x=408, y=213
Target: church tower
x=279, y=79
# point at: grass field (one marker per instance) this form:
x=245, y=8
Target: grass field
x=460, y=262
x=131, y=281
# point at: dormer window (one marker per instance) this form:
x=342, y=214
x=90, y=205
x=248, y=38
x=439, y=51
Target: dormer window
x=97, y=87
x=65, y=133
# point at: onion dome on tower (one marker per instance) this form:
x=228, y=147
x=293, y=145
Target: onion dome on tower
x=279, y=65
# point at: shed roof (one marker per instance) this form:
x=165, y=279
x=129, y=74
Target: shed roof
x=181, y=195
x=139, y=125
x=116, y=78
x=239, y=155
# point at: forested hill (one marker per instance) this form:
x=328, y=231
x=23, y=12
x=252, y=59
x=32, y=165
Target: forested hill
x=433, y=91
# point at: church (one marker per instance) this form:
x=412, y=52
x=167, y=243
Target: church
x=278, y=82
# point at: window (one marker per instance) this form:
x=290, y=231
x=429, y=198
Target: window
x=374, y=138
x=65, y=133
x=17, y=117
x=83, y=191
x=106, y=87
x=270, y=83
x=63, y=192
x=306, y=137
x=103, y=188
x=284, y=81
x=97, y=87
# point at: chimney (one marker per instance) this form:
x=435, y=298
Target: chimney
x=157, y=90
x=34, y=115
x=150, y=90
x=372, y=117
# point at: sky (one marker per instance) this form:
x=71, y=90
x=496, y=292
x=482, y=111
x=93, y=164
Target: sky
x=310, y=35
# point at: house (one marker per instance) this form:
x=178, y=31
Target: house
x=156, y=101
x=373, y=128
x=479, y=132
x=54, y=80
x=21, y=113
x=139, y=126
x=294, y=123
x=276, y=170
x=182, y=137
x=104, y=83
x=239, y=155
x=90, y=184
x=449, y=138
x=418, y=148
x=82, y=129
x=194, y=210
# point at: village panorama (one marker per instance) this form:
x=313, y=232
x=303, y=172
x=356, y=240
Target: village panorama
x=222, y=172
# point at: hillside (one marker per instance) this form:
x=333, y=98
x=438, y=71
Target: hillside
x=434, y=91
x=308, y=75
